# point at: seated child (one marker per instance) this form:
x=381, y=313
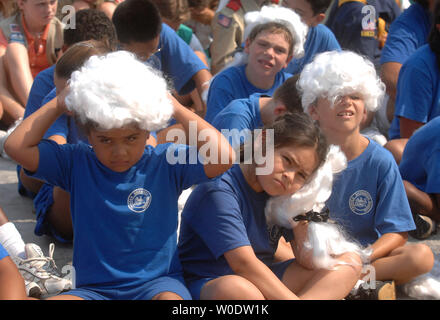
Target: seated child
x=420, y=173
x=368, y=197
x=125, y=220
x=273, y=36
x=140, y=30
x=225, y=247
x=257, y=111
x=33, y=39
x=319, y=37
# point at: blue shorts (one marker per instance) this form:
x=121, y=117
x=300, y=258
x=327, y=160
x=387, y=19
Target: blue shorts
x=42, y=203
x=195, y=287
x=144, y=291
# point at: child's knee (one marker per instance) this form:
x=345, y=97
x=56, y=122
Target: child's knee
x=421, y=258
x=353, y=261
x=230, y=288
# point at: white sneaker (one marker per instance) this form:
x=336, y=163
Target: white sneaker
x=32, y=289
x=41, y=270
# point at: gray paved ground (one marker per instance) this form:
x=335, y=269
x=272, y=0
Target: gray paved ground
x=20, y=211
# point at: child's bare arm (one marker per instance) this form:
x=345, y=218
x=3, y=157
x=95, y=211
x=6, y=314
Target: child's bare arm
x=218, y=144
x=302, y=255
x=387, y=243
x=243, y=262
x=22, y=144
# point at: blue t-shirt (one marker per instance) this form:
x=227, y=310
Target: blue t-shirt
x=407, y=33
x=420, y=162
x=3, y=252
x=368, y=198
x=231, y=84
x=319, y=39
x=176, y=60
x=418, y=90
x=219, y=216
x=347, y=23
x=41, y=86
x=242, y=115
x=124, y=222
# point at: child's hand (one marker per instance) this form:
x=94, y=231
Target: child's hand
x=303, y=255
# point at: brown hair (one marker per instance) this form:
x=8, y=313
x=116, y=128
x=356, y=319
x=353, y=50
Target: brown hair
x=173, y=10
x=77, y=55
x=296, y=129
x=289, y=95
x=273, y=27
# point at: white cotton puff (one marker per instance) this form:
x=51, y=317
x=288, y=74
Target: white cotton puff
x=335, y=74
x=285, y=16
x=312, y=196
x=116, y=90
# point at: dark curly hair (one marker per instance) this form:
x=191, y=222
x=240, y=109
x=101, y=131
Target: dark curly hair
x=91, y=24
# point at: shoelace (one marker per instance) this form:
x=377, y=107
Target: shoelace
x=44, y=267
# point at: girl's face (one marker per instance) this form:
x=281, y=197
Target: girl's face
x=293, y=167
x=268, y=53
x=118, y=149
x=38, y=13
x=344, y=116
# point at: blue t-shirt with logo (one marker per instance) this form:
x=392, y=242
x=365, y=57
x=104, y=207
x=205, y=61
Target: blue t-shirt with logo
x=124, y=223
x=242, y=115
x=368, y=198
x=418, y=90
x=3, y=252
x=231, y=84
x=407, y=33
x=319, y=39
x=420, y=162
x=221, y=215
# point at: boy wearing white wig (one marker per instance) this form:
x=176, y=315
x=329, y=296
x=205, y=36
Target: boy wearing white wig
x=368, y=198
x=272, y=37
x=123, y=193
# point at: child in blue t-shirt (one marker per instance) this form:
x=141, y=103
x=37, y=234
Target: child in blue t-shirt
x=123, y=194
x=319, y=37
x=52, y=203
x=273, y=36
x=420, y=170
x=418, y=91
x=11, y=282
x=368, y=197
x=226, y=247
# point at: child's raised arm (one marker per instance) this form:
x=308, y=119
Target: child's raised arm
x=217, y=143
x=22, y=144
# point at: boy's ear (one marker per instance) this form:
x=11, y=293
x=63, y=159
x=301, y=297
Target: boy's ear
x=246, y=45
x=317, y=19
x=311, y=110
x=289, y=58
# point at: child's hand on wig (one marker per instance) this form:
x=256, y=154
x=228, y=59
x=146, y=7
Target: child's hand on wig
x=61, y=101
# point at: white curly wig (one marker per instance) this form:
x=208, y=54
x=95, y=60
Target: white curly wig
x=335, y=74
x=116, y=90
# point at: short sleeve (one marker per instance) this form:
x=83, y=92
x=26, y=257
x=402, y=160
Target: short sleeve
x=216, y=219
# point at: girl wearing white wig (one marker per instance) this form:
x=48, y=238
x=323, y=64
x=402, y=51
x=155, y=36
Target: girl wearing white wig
x=123, y=193
x=225, y=245
x=368, y=197
x=273, y=36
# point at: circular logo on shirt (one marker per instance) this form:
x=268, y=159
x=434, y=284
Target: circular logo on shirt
x=139, y=200
x=361, y=202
